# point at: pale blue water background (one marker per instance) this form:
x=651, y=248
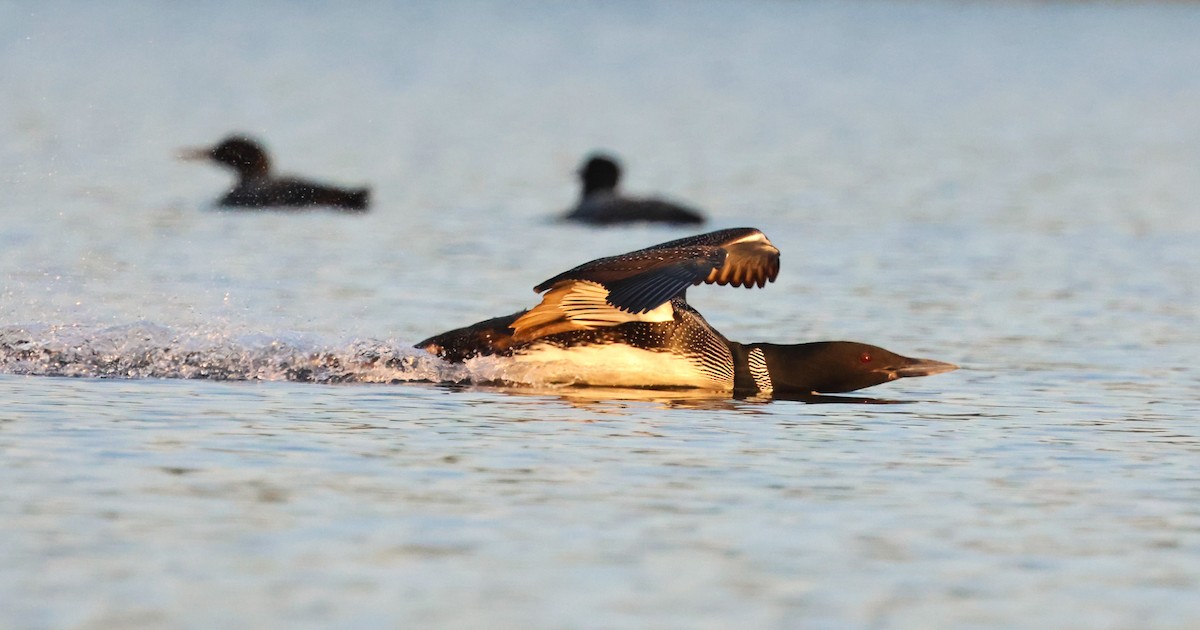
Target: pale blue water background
x=1011, y=187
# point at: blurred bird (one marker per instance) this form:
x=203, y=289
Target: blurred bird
x=601, y=204
x=257, y=188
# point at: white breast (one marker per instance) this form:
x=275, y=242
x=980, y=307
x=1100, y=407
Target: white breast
x=607, y=365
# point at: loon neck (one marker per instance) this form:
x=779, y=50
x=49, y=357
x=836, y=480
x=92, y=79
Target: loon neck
x=598, y=188
x=799, y=368
x=254, y=171
x=827, y=367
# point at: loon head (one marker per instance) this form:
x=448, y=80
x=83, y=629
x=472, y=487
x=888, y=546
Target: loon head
x=600, y=173
x=240, y=153
x=831, y=367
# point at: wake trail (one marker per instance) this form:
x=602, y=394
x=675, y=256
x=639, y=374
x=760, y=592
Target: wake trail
x=147, y=350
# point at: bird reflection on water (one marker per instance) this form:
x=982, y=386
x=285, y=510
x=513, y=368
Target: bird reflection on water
x=599, y=398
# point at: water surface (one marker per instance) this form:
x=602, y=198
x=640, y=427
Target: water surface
x=247, y=439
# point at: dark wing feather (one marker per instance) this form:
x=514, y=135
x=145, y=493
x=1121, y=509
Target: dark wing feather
x=625, y=265
x=751, y=260
x=620, y=267
x=645, y=291
x=719, y=238
x=641, y=280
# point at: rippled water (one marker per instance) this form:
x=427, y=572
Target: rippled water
x=249, y=440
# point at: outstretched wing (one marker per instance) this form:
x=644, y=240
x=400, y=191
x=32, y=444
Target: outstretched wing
x=642, y=280
x=579, y=305
x=750, y=260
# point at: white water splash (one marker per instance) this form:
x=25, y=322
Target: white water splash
x=147, y=350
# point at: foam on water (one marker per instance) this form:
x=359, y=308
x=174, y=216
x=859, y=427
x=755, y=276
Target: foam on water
x=147, y=350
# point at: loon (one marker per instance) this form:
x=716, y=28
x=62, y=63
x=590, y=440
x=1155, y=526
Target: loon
x=256, y=188
x=601, y=204
x=623, y=321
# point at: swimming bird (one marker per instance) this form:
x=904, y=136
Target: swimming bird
x=623, y=321
x=601, y=204
x=257, y=188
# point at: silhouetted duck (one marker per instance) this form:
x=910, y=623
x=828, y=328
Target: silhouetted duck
x=256, y=188
x=623, y=321
x=601, y=203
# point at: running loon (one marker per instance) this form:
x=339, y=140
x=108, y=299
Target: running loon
x=256, y=188
x=623, y=321
x=601, y=204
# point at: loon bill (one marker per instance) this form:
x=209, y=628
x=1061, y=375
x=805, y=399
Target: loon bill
x=623, y=321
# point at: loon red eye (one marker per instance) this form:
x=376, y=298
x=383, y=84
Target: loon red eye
x=865, y=357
